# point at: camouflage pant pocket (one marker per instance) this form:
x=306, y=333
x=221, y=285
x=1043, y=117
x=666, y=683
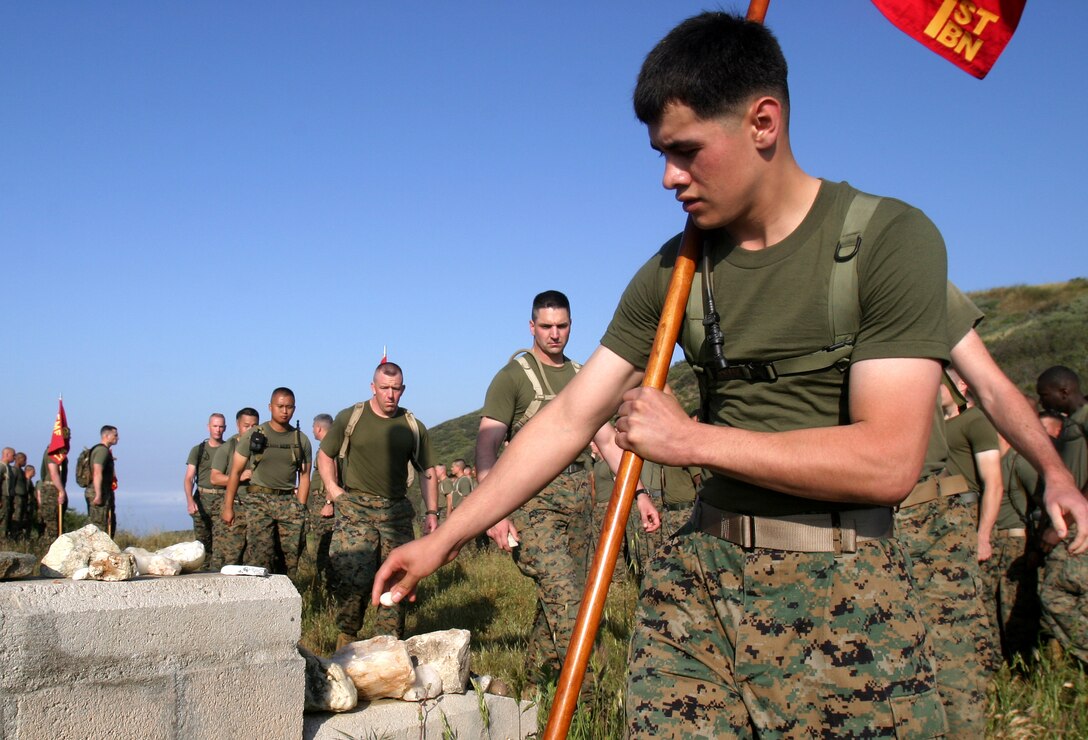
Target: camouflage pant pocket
x=918, y=715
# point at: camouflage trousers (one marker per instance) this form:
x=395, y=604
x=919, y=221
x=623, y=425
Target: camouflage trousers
x=1011, y=593
x=740, y=643
x=319, y=531
x=104, y=516
x=230, y=540
x=368, y=528
x=674, y=517
x=554, y=552
x=1064, y=600
x=208, y=506
x=48, y=510
x=18, y=515
x=940, y=539
x=274, y=524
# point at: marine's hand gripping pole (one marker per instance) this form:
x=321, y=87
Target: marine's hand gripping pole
x=615, y=519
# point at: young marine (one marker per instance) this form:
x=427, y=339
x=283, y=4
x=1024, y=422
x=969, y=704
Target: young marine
x=785, y=607
x=373, y=442
x=101, y=494
x=230, y=538
x=279, y=456
x=204, y=500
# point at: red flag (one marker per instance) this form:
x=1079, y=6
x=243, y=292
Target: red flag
x=969, y=33
x=385, y=356
x=59, y=442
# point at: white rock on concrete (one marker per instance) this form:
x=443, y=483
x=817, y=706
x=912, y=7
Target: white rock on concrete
x=72, y=551
x=379, y=667
x=111, y=566
x=427, y=684
x=400, y=720
x=189, y=554
x=328, y=687
x=448, y=652
x=16, y=565
x=153, y=564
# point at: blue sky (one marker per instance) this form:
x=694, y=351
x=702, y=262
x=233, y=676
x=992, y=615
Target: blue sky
x=202, y=201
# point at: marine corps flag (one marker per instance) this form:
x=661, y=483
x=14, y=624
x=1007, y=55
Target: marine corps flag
x=969, y=33
x=59, y=442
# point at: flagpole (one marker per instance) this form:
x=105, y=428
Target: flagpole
x=619, y=506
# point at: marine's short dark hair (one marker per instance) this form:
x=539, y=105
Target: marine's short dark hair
x=247, y=411
x=281, y=391
x=550, y=299
x=106, y=429
x=1058, y=376
x=390, y=369
x=324, y=420
x=714, y=63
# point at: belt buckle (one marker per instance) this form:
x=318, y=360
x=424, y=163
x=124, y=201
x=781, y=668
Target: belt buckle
x=741, y=533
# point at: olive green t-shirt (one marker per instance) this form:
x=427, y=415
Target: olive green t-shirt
x=224, y=458
x=379, y=451
x=62, y=469
x=511, y=392
x=774, y=305
x=1023, y=492
x=101, y=455
x=19, y=483
x=969, y=434
x=203, y=465
x=1072, y=445
x=462, y=487
x=445, y=488
x=281, y=461
x=603, y=481
x=963, y=316
x=677, y=485
x=317, y=485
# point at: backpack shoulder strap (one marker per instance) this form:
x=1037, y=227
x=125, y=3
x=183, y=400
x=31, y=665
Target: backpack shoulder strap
x=843, y=307
x=843, y=304
x=356, y=414
x=414, y=426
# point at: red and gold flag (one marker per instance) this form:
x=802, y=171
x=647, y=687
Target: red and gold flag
x=969, y=33
x=59, y=442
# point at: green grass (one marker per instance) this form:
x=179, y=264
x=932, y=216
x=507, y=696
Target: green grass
x=483, y=592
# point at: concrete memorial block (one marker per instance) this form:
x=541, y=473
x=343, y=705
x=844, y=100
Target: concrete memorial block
x=379, y=667
x=153, y=564
x=328, y=687
x=193, y=657
x=189, y=554
x=16, y=565
x=72, y=551
x=448, y=652
x=450, y=715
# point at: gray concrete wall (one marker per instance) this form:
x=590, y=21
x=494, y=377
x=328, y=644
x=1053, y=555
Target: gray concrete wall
x=198, y=656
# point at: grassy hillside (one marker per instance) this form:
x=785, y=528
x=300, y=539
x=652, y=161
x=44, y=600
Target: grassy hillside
x=1027, y=328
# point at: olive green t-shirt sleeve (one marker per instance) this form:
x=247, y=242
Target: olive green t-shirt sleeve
x=223, y=456
x=242, y=445
x=981, y=433
x=963, y=315
x=500, y=402
x=334, y=438
x=426, y=451
x=193, y=456
x=100, y=455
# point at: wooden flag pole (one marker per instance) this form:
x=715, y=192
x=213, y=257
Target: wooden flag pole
x=619, y=507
